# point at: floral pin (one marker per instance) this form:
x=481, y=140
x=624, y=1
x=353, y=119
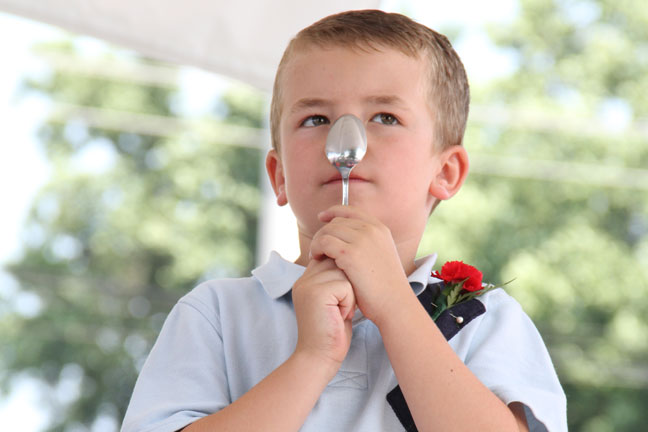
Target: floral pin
x=462, y=282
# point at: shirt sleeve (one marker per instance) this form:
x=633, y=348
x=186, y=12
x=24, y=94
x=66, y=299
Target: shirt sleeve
x=184, y=378
x=509, y=356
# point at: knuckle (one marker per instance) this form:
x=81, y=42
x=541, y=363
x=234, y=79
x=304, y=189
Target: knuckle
x=327, y=241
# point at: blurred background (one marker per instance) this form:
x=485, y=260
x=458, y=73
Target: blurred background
x=125, y=181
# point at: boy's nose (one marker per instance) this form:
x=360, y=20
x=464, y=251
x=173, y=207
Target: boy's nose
x=346, y=142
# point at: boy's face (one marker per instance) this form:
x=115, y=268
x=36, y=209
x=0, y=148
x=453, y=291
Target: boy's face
x=387, y=90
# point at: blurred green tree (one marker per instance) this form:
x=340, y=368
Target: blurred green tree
x=141, y=206
x=557, y=199
x=559, y=196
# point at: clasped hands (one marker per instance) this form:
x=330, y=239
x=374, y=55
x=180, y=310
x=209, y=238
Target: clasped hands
x=355, y=263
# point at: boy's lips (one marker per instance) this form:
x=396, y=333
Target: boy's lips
x=337, y=178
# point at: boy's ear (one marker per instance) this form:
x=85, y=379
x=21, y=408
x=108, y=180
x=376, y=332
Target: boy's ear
x=452, y=171
x=274, y=168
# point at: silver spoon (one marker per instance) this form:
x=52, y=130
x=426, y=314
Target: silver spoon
x=346, y=145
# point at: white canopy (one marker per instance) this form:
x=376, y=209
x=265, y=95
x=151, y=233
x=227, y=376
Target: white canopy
x=242, y=39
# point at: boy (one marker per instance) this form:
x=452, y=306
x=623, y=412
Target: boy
x=278, y=351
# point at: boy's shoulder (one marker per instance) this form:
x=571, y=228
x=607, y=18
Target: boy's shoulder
x=504, y=326
x=503, y=310
x=210, y=297
x=503, y=322
x=247, y=295
x=500, y=300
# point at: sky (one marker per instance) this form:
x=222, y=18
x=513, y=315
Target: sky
x=24, y=169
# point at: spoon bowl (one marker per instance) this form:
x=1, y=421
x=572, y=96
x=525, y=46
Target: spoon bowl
x=346, y=145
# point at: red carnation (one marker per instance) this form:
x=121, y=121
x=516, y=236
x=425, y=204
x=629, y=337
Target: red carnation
x=457, y=271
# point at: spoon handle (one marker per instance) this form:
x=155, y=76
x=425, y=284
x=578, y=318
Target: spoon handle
x=345, y=189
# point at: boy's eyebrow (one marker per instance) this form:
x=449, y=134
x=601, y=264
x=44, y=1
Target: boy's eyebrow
x=387, y=100
x=306, y=103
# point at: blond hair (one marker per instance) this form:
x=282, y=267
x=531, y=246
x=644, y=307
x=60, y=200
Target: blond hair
x=448, y=91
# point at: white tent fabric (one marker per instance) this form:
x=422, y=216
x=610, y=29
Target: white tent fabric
x=242, y=39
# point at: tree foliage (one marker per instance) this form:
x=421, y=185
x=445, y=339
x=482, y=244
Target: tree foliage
x=577, y=247
x=129, y=222
x=111, y=246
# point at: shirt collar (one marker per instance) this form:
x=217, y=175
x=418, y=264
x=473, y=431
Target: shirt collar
x=420, y=278
x=277, y=275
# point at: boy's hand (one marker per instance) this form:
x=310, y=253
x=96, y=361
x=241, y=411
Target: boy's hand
x=363, y=247
x=324, y=305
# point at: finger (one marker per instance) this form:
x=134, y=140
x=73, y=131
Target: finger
x=345, y=212
x=351, y=313
x=342, y=230
x=357, y=224
x=319, y=265
x=324, y=270
x=346, y=301
x=327, y=246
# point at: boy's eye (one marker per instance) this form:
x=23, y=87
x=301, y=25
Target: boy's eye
x=385, y=118
x=315, y=120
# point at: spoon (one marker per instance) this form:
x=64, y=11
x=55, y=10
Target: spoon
x=346, y=145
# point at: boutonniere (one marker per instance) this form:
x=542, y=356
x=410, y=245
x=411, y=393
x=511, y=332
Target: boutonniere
x=462, y=282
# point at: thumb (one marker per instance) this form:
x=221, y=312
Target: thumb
x=347, y=305
x=352, y=312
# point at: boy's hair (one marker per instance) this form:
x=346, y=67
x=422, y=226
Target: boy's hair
x=448, y=91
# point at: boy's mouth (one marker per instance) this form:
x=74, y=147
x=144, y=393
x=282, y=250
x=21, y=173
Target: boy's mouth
x=337, y=178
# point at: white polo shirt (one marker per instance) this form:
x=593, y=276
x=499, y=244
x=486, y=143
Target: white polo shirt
x=227, y=335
